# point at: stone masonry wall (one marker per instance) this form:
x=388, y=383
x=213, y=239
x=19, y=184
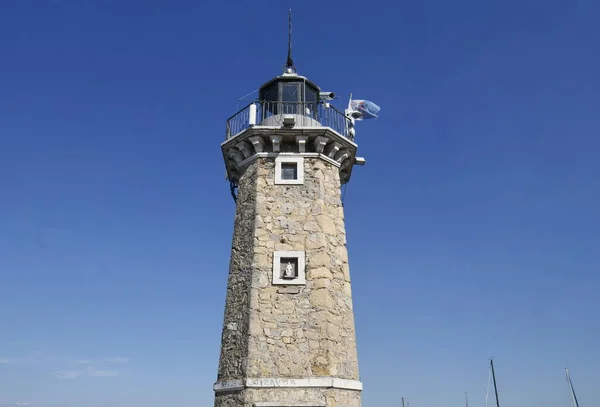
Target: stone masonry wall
x=303, y=331
x=234, y=338
x=279, y=331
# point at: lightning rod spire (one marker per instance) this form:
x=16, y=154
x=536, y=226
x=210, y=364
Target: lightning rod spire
x=289, y=66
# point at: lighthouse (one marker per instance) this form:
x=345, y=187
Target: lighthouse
x=288, y=336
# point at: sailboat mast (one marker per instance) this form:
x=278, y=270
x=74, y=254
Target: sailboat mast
x=466, y=399
x=573, y=396
x=487, y=391
x=495, y=386
x=402, y=401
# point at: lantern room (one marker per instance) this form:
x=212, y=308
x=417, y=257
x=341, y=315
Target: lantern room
x=289, y=94
x=289, y=88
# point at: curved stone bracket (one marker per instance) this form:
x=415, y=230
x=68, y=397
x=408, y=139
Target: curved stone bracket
x=276, y=141
x=320, y=143
x=258, y=143
x=332, y=149
x=342, y=155
x=245, y=148
x=301, y=142
x=236, y=156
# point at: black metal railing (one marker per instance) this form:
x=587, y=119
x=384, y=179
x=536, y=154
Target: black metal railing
x=238, y=122
x=305, y=114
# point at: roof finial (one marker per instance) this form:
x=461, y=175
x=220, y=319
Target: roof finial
x=289, y=66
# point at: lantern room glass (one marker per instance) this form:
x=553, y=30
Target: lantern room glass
x=289, y=97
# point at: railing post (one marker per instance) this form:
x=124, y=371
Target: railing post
x=252, y=115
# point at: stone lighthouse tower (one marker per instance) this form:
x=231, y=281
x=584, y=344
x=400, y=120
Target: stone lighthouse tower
x=288, y=334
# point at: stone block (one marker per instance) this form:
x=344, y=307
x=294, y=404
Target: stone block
x=320, y=299
x=321, y=283
x=288, y=290
x=321, y=272
x=320, y=259
x=327, y=225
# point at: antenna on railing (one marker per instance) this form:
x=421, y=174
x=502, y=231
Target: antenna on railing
x=247, y=94
x=242, y=98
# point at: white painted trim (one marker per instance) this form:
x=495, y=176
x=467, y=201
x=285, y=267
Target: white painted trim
x=289, y=159
x=346, y=384
x=300, y=279
x=329, y=160
x=286, y=404
x=279, y=382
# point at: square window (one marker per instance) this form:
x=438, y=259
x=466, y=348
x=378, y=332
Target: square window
x=289, y=268
x=289, y=169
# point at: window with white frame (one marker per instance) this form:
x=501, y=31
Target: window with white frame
x=289, y=170
x=289, y=268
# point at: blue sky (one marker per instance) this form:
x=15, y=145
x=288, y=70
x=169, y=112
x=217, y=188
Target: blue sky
x=473, y=229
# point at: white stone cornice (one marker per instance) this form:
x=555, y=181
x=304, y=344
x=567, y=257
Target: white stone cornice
x=280, y=382
x=329, y=160
x=326, y=143
x=312, y=132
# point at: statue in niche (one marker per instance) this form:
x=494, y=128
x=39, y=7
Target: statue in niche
x=289, y=271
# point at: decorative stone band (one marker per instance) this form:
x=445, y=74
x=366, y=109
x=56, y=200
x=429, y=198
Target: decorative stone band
x=268, y=382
